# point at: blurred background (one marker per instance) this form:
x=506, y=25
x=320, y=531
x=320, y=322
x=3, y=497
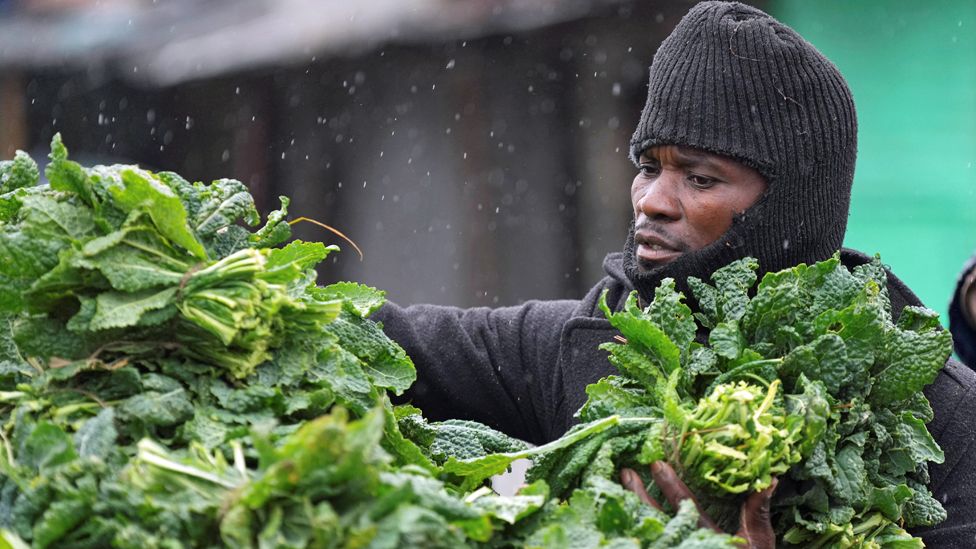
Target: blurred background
x=475, y=149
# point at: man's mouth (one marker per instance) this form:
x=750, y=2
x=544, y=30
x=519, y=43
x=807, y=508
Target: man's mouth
x=654, y=249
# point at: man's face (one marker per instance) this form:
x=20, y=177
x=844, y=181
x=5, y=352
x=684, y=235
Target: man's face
x=684, y=199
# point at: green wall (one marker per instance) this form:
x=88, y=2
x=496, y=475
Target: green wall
x=912, y=68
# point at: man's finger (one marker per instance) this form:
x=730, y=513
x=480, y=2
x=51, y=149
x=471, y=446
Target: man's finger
x=755, y=526
x=675, y=491
x=632, y=481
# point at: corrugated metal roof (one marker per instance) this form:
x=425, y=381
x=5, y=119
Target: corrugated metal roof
x=163, y=43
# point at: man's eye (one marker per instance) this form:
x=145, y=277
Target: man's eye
x=648, y=169
x=701, y=182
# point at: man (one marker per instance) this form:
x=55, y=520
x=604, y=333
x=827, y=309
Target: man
x=962, y=315
x=746, y=147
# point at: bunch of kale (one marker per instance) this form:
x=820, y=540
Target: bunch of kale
x=140, y=307
x=810, y=380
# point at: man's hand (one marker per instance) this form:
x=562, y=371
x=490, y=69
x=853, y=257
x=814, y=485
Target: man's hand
x=754, y=524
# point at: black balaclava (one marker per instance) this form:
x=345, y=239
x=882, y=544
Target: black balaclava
x=733, y=81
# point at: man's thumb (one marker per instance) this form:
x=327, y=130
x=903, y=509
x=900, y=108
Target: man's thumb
x=754, y=521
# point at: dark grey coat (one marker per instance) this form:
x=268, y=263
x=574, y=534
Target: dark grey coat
x=523, y=370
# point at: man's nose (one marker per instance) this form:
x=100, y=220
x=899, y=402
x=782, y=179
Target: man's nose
x=660, y=200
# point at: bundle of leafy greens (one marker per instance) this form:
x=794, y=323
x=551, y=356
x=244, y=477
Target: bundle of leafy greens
x=811, y=380
x=170, y=377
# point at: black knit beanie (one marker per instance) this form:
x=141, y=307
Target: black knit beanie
x=733, y=81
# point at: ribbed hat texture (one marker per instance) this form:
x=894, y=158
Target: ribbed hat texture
x=732, y=80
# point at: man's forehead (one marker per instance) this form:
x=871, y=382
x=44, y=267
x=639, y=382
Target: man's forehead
x=679, y=154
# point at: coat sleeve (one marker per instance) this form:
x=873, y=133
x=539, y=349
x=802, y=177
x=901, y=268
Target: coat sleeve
x=953, y=483
x=494, y=366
